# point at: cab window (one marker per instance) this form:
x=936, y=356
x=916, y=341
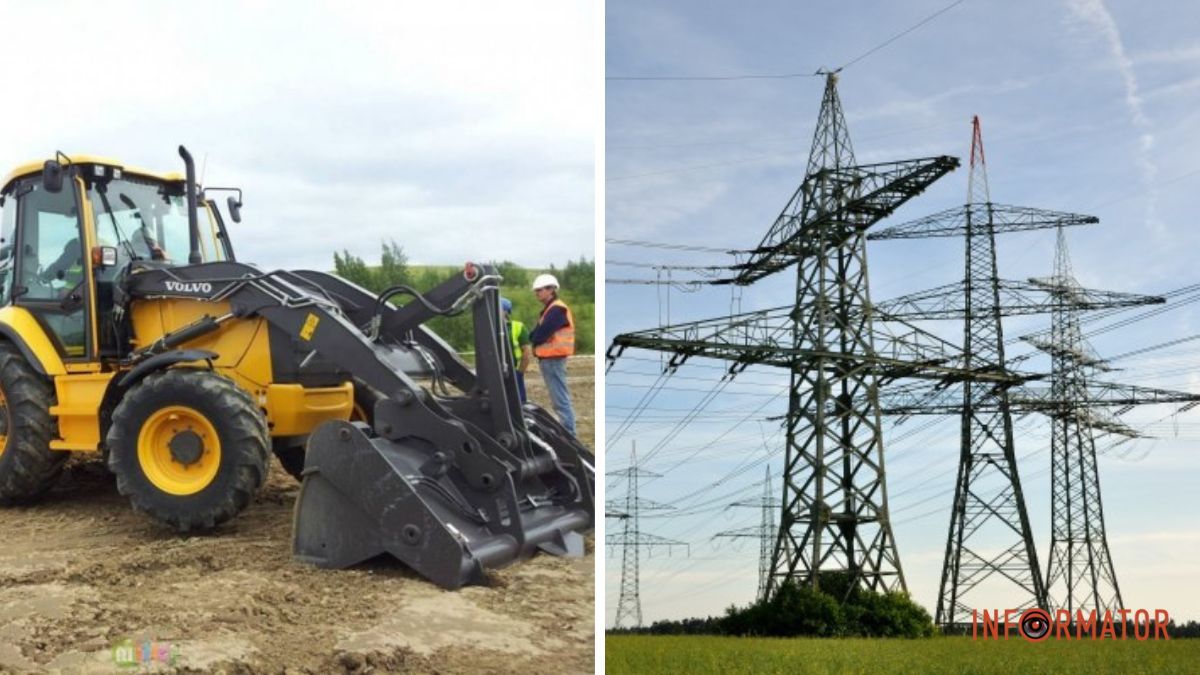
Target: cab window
x=52, y=257
x=8, y=226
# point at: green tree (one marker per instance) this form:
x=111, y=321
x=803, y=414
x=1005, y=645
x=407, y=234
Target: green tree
x=352, y=268
x=393, y=266
x=514, y=275
x=580, y=277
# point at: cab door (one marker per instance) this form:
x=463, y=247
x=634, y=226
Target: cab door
x=50, y=270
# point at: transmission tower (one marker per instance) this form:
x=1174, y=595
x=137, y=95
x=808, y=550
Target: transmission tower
x=990, y=538
x=834, y=513
x=632, y=540
x=1080, y=573
x=764, y=533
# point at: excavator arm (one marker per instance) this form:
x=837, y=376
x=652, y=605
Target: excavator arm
x=448, y=481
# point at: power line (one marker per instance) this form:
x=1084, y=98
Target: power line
x=670, y=246
x=782, y=76
x=902, y=33
x=696, y=167
x=708, y=78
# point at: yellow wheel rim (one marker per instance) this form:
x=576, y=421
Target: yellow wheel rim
x=5, y=422
x=179, y=450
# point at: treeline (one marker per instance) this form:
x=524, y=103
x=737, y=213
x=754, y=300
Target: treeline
x=1191, y=629
x=795, y=610
x=577, y=278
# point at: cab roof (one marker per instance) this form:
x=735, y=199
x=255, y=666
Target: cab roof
x=35, y=167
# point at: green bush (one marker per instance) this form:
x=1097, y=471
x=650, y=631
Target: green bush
x=839, y=609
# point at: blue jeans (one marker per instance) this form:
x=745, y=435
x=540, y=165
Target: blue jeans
x=554, y=372
x=521, y=385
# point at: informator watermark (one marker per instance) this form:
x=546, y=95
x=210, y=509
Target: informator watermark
x=1036, y=624
x=130, y=654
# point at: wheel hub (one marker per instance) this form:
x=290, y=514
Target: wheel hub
x=186, y=447
x=179, y=450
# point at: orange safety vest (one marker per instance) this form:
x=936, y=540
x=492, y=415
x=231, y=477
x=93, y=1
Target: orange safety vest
x=562, y=342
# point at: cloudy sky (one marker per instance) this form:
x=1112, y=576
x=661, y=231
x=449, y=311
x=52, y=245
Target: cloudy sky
x=463, y=130
x=1087, y=106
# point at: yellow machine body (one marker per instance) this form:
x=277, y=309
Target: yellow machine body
x=244, y=354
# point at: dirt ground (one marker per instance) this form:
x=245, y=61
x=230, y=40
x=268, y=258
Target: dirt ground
x=81, y=573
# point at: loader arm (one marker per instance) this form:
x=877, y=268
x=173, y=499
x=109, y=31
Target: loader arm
x=449, y=484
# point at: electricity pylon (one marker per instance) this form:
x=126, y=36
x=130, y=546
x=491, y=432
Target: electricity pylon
x=990, y=541
x=764, y=533
x=834, y=511
x=631, y=540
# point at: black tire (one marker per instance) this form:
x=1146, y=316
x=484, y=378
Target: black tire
x=28, y=466
x=290, y=449
x=240, y=427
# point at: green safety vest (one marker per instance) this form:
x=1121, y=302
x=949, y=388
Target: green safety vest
x=73, y=274
x=513, y=332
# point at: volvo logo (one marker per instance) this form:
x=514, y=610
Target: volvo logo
x=189, y=287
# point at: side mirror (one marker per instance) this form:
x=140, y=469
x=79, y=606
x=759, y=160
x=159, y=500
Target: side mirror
x=235, y=209
x=52, y=176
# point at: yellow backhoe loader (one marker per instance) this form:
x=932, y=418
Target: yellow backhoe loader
x=128, y=328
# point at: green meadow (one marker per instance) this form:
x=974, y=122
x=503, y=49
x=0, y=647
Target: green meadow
x=729, y=655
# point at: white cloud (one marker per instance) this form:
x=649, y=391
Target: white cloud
x=461, y=130
x=1095, y=15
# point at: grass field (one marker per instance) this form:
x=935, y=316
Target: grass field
x=699, y=654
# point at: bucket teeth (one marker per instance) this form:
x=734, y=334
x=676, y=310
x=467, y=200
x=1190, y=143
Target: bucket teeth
x=363, y=497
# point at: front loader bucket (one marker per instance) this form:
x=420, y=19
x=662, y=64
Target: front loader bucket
x=365, y=495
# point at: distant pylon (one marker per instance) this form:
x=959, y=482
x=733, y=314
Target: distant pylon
x=765, y=532
x=1080, y=574
x=632, y=540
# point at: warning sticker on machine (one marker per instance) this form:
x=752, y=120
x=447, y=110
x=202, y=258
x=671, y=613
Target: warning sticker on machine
x=310, y=325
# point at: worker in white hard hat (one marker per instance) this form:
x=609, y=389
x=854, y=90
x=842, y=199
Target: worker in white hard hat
x=553, y=341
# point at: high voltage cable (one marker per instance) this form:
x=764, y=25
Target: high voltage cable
x=660, y=266
x=696, y=410
x=670, y=246
x=784, y=76
x=778, y=139
x=629, y=419
x=902, y=33
x=695, y=167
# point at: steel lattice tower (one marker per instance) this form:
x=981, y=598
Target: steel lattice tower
x=632, y=540
x=834, y=501
x=834, y=513
x=989, y=505
x=1080, y=573
x=988, y=495
x=765, y=533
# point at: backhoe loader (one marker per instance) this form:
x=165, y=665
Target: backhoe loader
x=128, y=328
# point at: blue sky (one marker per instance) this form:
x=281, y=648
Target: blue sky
x=1086, y=106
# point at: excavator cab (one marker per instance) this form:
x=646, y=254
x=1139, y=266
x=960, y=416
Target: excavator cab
x=129, y=329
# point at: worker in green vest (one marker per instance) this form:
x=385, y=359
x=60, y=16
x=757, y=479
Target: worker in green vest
x=522, y=348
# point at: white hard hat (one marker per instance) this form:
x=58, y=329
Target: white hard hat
x=544, y=280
